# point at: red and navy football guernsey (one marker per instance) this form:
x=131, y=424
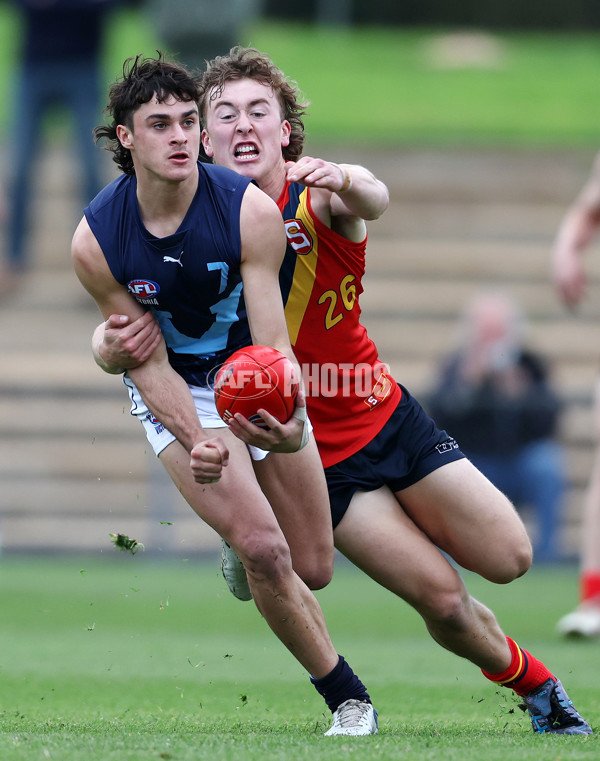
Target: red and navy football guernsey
x=350, y=396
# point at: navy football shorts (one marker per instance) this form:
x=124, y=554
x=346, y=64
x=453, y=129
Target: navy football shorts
x=408, y=447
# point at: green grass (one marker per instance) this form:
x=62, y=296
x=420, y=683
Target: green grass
x=127, y=658
x=380, y=87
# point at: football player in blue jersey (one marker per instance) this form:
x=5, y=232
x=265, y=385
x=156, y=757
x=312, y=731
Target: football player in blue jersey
x=201, y=247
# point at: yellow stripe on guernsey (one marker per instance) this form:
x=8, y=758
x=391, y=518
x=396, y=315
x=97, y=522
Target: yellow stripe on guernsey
x=305, y=272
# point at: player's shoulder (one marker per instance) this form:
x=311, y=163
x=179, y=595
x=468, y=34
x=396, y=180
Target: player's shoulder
x=259, y=205
x=114, y=192
x=86, y=252
x=221, y=176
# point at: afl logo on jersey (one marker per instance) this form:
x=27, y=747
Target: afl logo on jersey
x=298, y=236
x=145, y=291
x=143, y=288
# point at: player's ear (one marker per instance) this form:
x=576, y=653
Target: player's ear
x=286, y=130
x=125, y=136
x=207, y=145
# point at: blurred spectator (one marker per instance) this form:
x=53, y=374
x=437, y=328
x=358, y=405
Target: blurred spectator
x=578, y=228
x=195, y=31
x=60, y=66
x=493, y=396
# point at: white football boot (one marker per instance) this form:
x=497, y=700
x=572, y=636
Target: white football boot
x=354, y=717
x=582, y=622
x=234, y=573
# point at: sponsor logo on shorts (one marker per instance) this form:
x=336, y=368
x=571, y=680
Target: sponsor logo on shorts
x=447, y=446
x=158, y=426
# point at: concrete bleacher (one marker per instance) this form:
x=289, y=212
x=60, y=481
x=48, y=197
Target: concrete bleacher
x=75, y=467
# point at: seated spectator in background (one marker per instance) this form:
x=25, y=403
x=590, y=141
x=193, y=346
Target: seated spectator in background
x=493, y=396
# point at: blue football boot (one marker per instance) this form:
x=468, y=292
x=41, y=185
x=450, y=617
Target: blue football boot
x=551, y=710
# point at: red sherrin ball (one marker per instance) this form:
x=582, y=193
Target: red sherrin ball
x=253, y=378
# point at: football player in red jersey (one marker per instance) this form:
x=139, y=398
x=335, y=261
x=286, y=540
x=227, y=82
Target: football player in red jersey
x=402, y=494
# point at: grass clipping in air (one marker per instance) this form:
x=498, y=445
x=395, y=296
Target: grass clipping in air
x=124, y=543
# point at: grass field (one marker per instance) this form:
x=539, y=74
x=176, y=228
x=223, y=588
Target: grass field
x=382, y=87
x=123, y=657
x=386, y=87
x=127, y=658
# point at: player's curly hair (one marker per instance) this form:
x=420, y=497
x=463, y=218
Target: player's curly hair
x=250, y=63
x=142, y=79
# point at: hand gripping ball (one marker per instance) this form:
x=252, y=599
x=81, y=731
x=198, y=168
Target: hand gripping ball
x=253, y=378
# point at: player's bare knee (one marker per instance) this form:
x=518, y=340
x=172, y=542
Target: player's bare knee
x=444, y=600
x=515, y=561
x=446, y=608
x=315, y=572
x=266, y=557
x=508, y=571
x=522, y=559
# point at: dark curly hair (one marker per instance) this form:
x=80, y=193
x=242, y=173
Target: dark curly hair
x=250, y=63
x=142, y=79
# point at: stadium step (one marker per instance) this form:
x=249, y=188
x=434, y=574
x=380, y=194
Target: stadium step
x=75, y=466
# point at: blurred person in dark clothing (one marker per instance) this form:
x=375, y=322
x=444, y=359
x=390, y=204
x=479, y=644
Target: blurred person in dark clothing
x=195, y=31
x=60, y=66
x=494, y=396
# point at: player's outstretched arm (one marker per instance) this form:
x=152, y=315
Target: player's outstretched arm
x=576, y=231
x=355, y=191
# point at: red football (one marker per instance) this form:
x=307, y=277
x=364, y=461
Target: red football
x=253, y=378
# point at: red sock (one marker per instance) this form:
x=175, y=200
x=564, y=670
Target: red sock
x=525, y=672
x=590, y=586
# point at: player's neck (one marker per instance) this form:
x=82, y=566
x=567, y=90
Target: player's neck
x=273, y=183
x=163, y=204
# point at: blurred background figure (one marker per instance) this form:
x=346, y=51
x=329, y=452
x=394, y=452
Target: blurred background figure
x=60, y=66
x=195, y=31
x=494, y=397
x=576, y=231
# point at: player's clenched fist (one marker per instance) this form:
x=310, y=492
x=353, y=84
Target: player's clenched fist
x=208, y=458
